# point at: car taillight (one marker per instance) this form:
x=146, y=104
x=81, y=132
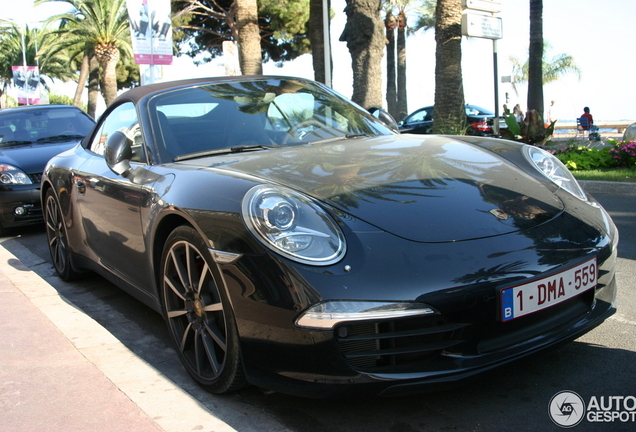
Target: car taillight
x=482, y=126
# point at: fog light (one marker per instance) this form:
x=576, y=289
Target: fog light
x=20, y=211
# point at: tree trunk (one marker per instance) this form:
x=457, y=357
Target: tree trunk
x=391, y=85
x=93, y=88
x=108, y=55
x=249, y=38
x=402, y=101
x=450, y=114
x=316, y=38
x=365, y=40
x=535, y=58
x=81, y=80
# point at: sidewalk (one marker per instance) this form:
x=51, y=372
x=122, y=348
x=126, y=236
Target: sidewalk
x=61, y=371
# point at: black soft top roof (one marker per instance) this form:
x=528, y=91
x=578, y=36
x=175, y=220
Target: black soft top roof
x=137, y=93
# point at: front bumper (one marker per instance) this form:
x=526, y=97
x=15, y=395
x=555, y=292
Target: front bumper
x=437, y=364
x=26, y=197
x=460, y=280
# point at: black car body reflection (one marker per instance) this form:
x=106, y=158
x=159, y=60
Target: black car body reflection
x=294, y=242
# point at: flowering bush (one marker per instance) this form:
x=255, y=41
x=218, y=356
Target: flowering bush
x=624, y=153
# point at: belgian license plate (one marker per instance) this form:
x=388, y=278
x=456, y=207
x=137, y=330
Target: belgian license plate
x=534, y=296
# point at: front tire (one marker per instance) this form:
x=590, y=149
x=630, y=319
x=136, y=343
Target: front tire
x=57, y=238
x=198, y=314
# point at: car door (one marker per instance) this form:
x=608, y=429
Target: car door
x=110, y=205
x=420, y=122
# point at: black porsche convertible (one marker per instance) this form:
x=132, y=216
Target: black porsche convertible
x=295, y=242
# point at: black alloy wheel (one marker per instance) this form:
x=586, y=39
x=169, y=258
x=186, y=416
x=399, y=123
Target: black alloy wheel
x=57, y=238
x=199, y=318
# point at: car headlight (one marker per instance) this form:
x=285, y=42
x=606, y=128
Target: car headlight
x=325, y=316
x=554, y=170
x=293, y=225
x=11, y=175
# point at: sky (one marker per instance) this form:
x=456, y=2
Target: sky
x=600, y=36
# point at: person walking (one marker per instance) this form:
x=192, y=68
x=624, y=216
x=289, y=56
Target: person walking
x=552, y=117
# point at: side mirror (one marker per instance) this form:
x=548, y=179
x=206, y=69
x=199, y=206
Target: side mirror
x=385, y=117
x=118, y=153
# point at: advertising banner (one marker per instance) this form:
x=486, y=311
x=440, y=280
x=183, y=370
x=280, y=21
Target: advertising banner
x=26, y=80
x=151, y=31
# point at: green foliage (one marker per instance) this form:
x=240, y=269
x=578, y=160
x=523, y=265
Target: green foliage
x=60, y=99
x=63, y=100
x=619, y=155
x=584, y=158
x=8, y=101
x=531, y=130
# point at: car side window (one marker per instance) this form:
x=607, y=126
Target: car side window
x=123, y=118
x=419, y=116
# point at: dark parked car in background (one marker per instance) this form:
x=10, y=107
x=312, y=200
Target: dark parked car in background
x=29, y=137
x=294, y=242
x=479, y=121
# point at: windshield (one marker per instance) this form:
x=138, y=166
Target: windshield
x=42, y=125
x=255, y=114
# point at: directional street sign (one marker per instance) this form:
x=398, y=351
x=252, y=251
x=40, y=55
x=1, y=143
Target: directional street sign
x=481, y=26
x=493, y=6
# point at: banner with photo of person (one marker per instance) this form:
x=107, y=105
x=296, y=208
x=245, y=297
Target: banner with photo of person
x=26, y=81
x=151, y=31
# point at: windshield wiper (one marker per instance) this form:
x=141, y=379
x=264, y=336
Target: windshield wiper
x=15, y=142
x=357, y=135
x=230, y=150
x=64, y=137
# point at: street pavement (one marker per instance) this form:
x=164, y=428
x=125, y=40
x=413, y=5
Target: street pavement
x=62, y=371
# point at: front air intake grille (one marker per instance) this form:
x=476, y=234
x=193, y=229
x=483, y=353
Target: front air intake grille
x=395, y=345
x=36, y=178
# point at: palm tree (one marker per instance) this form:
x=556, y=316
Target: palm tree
x=365, y=39
x=102, y=26
x=396, y=22
x=390, y=22
x=450, y=114
x=535, y=57
x=11, y=52
x=552, y=68
x=76, y=55
x=402, y=102
x=248, y=37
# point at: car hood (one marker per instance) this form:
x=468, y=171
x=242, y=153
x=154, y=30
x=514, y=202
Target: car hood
x=432, y=189
x=31, y=158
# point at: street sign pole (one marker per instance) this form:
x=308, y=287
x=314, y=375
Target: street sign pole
x=495, y=123
x=485, y=26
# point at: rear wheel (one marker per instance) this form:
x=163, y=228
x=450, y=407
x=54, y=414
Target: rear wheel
x=199, y=317
x=57, y=238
